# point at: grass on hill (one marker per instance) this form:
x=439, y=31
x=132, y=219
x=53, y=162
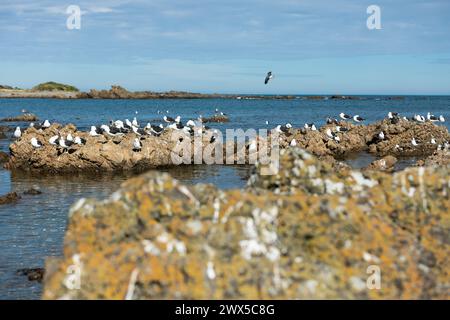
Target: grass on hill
x=54, y=86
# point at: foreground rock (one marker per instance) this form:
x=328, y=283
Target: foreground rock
x=438, y=158
x=11, y=197
x=4, y=157
x=26, y=117
x=308, y=232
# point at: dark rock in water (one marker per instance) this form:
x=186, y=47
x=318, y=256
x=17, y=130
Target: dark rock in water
x=4, y=157
x=306, y=232
x=9, y=198
x=33, y=191
x=33, y=274
x=217, y=118
x=26, y=117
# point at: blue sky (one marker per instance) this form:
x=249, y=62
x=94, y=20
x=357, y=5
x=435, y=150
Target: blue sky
x=312, y=46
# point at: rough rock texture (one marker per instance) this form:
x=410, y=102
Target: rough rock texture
x=364, y=138
x=439, y=158
x=102, y=153
x=217, y=118
x=384, y=164
x=33, y=192
x=9, y=198
x=307, y=232
x=26, y=117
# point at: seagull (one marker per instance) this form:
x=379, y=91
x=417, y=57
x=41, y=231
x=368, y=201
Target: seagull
x=137, y=145
x=344, y=116
x=267, y=122
x=17, y=133
x=69, y=137
x=441, y=118
x=414, y=142
x=332, y=121
x=54, y=140
x=310, y=126
x=190, y=123
x=213, y=139
x=381, y=135
x=157, y=130
x=95, y=131
x=253, y=146
x=419, y=118
x=268, y=77
x=46, y=124
x=80, y=141
x=168, y=119
x=178, y=119
x=392, y=115
x=433, y=141
x=283, y=129
x=35, y=143
x=357, y=118
x=65, y=144
x=293, y=143
x=135, y=123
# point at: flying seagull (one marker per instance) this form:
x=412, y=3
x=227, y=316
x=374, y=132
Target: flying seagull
x=268, y=77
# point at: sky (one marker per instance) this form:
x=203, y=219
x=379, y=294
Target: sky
x=227, y=46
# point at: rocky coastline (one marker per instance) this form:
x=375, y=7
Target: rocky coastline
x=107, y=154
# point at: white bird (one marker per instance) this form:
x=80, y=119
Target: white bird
x=414, y=142
x=69, y=137
x=53, y=140
x=267, y=122
x=46, y=124
x=441, y=118
x=134, y=122
x=94, y=132
x=17, y=133
x=80, y=141
x=344, y=116
x=178, y=119
x=65, y=144
x=190, y=123
x=329, y=133
x=35, y=143
x=293, y=143
x=381, y=135
x=128, y=123
x=433, y=141
x=137, y=145
x=357, y=118
x=253, y=146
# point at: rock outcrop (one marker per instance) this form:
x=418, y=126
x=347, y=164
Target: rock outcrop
x=397, y=140
x=4, y=157
x=308, y=232
x=9, y=198
x=217, y=118
x=26, y=117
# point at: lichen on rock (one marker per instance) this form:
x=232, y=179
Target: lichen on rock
x=156, y=238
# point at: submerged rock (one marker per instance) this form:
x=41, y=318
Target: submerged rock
x=9, y=198
x=320, y=236
x=33, y=274
x=4, y=157
x=26, y=117
x=217, y=118
x=439, y=158
x=33, y=191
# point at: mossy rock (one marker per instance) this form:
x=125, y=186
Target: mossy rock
x=54, y=86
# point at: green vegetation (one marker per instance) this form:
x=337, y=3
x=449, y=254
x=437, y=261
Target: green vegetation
x=54, y=86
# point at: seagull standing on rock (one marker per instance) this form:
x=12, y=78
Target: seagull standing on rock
x=414, y=142
x=137, y=146
x=54, y=140
x=35, y=143
x=17, y=133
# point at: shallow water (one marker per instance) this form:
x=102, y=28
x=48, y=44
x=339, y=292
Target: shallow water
x=33, y=228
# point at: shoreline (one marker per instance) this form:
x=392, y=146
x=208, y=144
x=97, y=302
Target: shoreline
x=119, y=93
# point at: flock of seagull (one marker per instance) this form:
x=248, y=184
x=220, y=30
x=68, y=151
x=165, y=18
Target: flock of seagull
x=196, y=128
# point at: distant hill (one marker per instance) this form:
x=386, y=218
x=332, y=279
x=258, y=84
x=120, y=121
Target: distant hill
x=6, y=87
x=54, y=86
